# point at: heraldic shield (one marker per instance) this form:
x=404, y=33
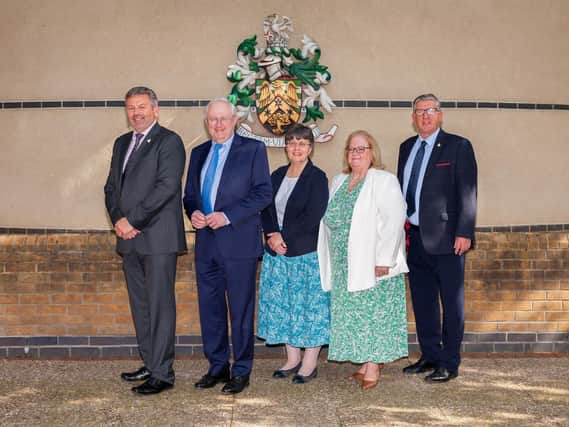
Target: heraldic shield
x=278, y=103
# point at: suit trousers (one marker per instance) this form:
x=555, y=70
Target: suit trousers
x=150, y=281
x=222, y=281
x=434, y=277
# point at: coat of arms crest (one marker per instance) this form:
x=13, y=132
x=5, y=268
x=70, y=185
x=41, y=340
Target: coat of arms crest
x=279, y=86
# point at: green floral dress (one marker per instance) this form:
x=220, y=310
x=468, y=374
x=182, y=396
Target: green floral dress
x=368, y=325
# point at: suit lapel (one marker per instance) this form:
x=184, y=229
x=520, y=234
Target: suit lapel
x=230, y=161
x=407, y=147
x=151, y=138
x=124, y=148
x=201, y=157
x=436, y=153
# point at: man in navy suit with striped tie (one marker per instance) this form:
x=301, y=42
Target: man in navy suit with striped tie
x=227, y=187
x=438, y=176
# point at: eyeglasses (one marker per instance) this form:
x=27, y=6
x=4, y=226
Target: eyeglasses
x=300, y=144
x=358, y=150
x=216, y=120
x=428, y=111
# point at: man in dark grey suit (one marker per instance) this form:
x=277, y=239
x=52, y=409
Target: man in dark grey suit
x=143, y=198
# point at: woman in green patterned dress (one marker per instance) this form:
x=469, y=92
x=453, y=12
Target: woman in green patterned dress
x=361, y=252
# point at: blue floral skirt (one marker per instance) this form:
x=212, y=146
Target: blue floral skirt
x=293, y=308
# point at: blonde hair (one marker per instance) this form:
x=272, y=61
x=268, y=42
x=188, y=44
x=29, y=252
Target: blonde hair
x=374, y=149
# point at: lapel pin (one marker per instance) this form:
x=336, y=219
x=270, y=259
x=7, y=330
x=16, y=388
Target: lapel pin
x=439, y=144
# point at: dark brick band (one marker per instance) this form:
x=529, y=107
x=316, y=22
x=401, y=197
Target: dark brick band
x=340, y=103
x=483, y=229
x=191, y=345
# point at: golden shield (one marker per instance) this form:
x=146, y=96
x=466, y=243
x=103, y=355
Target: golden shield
x=278, y=103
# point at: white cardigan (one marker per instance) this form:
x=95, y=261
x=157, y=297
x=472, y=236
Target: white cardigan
x=377, y=235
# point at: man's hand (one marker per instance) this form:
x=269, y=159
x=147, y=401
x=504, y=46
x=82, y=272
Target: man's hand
x=124, y=230
x=461, y=245
x=198, y=220
x=276, y=243
x=216, y=220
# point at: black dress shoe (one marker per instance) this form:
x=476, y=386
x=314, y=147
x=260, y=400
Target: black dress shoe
x=152, y=386
x=302, y=379
x=141, y=375
x=283, y=373
x=422, y=365
x=208, y=381
x=235, y=385
x=441, y=375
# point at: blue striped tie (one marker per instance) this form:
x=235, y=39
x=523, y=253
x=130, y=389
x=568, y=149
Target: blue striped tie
x=208, y=180
x=412, y=185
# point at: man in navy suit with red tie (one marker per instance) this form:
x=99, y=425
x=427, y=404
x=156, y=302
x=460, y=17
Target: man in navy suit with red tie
x=438, y=176
x=227, y=187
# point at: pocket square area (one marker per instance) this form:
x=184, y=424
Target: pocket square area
x=442, y=164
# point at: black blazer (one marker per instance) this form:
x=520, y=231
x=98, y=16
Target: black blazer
x=149, y=192
x=449, y=193
x=304, y=210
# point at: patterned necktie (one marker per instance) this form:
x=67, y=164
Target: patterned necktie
x=412, y=186
x=137, y=140
x=208, y=180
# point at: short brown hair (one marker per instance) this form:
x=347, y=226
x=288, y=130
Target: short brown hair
x=142, y=90
x=374, y=148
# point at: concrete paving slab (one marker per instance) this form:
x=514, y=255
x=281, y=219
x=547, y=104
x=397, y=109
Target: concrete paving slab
x=489, y=391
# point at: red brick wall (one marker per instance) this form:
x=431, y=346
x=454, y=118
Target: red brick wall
x=63, y=284
x=73, y=284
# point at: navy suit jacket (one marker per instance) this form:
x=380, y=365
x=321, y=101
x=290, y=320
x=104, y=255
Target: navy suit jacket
x=149, y=192
x=244, y=190
x=304, y=210
x=448, y=197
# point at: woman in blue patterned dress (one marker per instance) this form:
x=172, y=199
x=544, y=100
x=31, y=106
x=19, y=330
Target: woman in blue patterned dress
x=361, y=250
x=293, y=308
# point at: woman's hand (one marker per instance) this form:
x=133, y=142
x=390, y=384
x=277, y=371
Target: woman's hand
x=276, y=243
x=381, y=271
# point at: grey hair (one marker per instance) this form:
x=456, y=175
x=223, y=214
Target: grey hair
x=142, y=90
x=220, y=100
x=427, y=97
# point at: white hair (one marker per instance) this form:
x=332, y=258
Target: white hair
x=222, y=101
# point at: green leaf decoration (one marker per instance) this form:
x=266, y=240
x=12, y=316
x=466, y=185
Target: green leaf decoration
x=254, y=67
x=297, y=54
x=306, y=71
x=247, y=46
x=242, y=96
x=232, y=98
x=235, y=77
x=313, y=113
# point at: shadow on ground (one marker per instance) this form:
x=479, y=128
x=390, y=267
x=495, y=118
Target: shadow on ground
x=501, y=392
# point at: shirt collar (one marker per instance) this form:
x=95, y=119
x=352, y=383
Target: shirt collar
x=226, y=144
x=146, y=131
x=430, y=140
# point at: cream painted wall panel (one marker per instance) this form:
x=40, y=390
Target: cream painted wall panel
x=461, y=49
x=53, y=176
x=55, y=162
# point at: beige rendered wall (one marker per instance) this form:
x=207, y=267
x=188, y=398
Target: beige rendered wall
x=54, y=161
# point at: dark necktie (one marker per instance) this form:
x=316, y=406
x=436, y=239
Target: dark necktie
x=412, y=186
x=208, y=180
x=137, y=140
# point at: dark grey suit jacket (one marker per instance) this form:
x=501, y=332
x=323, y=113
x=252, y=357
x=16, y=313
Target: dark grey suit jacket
x=448, y=197
x=149, y=192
